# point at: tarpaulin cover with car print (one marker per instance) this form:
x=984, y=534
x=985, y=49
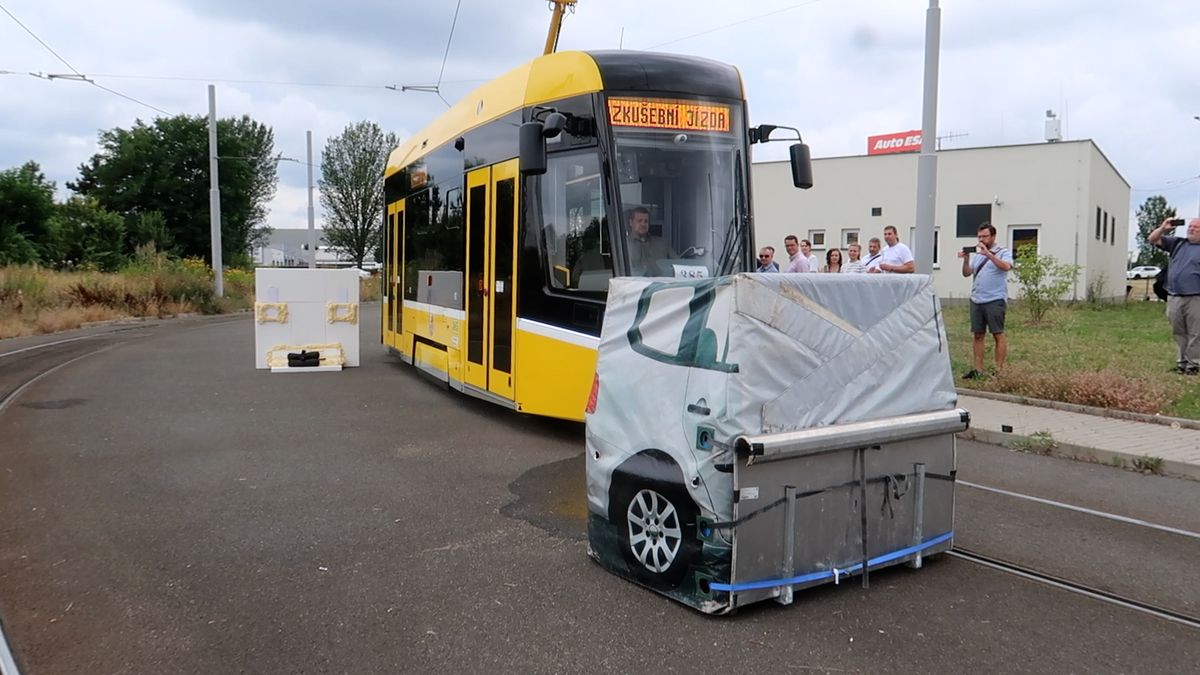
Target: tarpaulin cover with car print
x=751, y=435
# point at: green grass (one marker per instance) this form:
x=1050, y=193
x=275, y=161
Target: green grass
x=1115, y=356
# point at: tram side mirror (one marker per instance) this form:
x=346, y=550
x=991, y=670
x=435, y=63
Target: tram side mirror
x=532, y=149
x=533, y=135
x=802, y=176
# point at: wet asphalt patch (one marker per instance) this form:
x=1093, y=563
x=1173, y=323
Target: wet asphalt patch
x=553, y=498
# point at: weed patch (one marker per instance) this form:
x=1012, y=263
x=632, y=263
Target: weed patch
x=1038, y=443
x=1148, y=464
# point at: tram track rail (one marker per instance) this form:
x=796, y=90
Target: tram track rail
x=1077, y=588
x=41, y=360
x=1062, y=583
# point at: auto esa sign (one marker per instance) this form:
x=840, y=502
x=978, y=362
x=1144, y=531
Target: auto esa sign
x=886, y=144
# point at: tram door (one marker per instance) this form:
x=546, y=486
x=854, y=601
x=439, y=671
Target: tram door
x=394, y=283
x=491, y=265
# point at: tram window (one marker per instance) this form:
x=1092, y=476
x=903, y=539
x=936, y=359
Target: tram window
x=574, y=235
x=687, y=186
x=434, y=253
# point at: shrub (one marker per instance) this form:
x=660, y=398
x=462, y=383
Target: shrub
x=1095, y=290
x=1043, y=280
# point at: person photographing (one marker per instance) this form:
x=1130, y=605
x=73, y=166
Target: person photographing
x=1183, y=289
x=989, y=264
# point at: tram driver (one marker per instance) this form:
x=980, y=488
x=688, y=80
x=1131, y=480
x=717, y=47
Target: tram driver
x=645, y=249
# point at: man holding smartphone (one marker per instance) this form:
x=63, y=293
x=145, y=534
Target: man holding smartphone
x=1183, y=289
x=989, y=295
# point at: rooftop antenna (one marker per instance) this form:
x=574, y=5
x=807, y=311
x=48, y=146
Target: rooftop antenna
x=1053, y=127
x=949, y=137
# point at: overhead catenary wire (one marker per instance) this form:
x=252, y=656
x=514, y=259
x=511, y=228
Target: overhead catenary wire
x=1169, y=185
x=780, y=11
x=437, y=88
x=81, y=76
x=40, y=40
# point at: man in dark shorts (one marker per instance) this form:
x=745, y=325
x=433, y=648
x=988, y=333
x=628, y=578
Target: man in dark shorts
x=989, y=264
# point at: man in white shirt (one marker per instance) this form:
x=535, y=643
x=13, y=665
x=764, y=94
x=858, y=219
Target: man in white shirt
x=897, y=258
x=797, y=262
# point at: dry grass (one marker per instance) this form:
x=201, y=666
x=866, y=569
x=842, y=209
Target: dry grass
x=70, y=318
x=1114, y=356
x=36, y=300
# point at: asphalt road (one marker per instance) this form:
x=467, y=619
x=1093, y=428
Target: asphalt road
x=164, y=507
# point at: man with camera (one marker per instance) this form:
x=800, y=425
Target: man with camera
x=1183, y=289
x=989, y=295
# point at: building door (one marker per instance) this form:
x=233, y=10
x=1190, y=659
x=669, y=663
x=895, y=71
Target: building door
x=491, y=267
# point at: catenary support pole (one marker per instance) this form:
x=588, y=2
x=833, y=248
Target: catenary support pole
x=312, y=229
x=214, y=195
x=927, y=161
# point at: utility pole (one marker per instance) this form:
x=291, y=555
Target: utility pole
x=312, y=229
x=214, y=195
x=1197, y=118
x=927, y=160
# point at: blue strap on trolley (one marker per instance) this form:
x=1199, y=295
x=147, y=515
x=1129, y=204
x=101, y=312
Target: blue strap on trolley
x=836, y=573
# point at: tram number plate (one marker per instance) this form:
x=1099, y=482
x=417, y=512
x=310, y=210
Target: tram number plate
x=691, y=272
x=653, y=114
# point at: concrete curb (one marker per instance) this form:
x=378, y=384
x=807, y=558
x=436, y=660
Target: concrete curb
x=1113, y=458
x=1176, y=422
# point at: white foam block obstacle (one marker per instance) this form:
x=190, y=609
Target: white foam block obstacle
x=305, y=310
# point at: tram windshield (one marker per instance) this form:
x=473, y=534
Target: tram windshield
x=679, y=168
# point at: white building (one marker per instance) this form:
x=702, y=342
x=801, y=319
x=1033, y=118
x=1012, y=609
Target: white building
x=286, y=248
x=1065, y=197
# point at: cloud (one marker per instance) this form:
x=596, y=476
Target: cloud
x=1120, y=73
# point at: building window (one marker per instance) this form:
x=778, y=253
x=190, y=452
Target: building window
x=970, y=217
x=1112, y=228
x=849, y=237
x=1104, y=237
x=1097, y=222
x=817, y=238
x=937, y=232
x=876, y=210
x=1022, y=235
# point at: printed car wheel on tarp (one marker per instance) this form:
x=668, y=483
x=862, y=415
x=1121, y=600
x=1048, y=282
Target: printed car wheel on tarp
x=656, y=526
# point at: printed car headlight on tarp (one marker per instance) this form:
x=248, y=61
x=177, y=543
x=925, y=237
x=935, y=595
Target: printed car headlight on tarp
x=686, y=368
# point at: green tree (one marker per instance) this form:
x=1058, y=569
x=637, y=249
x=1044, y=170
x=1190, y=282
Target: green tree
x=1149, y=216
x=352, y=166
x=163, y=167
x=1043, y=280
x=89, y=235
x=26, y=205
x=150, y=228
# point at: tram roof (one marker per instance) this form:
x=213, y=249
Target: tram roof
x=564, y=74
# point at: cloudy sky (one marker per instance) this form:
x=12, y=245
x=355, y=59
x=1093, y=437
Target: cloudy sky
x=1126, y=74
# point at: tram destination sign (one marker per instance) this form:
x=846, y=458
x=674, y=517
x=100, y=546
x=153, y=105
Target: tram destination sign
x=676, y=115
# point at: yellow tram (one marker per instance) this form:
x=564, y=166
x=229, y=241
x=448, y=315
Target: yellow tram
x=507, y=216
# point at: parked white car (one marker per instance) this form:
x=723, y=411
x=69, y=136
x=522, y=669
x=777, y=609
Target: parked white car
x=1142, y=272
